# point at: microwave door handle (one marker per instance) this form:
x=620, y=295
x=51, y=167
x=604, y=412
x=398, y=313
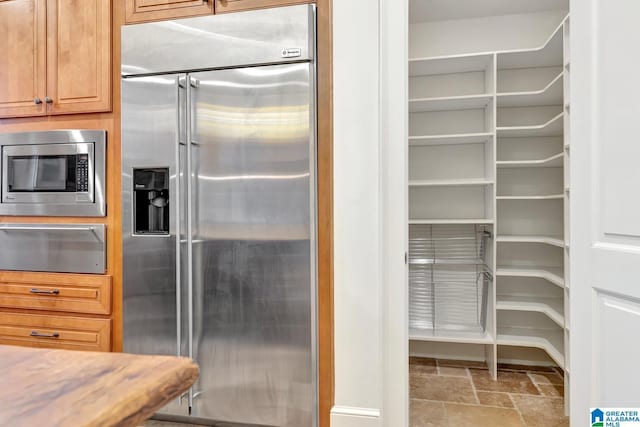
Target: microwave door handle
x=7, y=228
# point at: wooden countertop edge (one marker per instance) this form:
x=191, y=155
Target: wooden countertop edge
x=175, y=381
x=88, y=389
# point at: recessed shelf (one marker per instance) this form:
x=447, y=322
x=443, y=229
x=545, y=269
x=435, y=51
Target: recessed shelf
x=449, y=64
x=467, y=138
x=551, y=274
x=549, y=240
x=452, y=221
x=553, y=127
x=546, y=197
x=468, y=102
x=550, y=162
x=550, y=54
x=553, y=308
x=549, y=340
x=449, y=182
x=450, y=336
x=552, y=94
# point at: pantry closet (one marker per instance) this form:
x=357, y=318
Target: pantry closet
x=488, y=177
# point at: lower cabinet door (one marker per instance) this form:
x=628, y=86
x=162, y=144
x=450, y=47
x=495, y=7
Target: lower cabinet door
x=62, y=332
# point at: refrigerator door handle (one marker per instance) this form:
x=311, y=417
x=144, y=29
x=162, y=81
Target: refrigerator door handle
x=189, y=177
x=177, y=204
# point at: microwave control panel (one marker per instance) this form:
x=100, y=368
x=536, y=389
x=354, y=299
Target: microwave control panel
x=82, y=172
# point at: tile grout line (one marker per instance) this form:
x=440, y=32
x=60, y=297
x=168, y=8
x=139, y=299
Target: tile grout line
x=515, y=406
x=535, y=384
x=473, y=386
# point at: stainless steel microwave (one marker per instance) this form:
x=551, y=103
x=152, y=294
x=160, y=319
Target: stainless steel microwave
x=53, y=173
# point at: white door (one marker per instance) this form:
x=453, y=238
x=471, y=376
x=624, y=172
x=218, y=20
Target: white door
x=605, y=206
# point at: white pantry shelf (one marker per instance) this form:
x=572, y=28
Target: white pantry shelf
x=452, y=221
x=552, y=94
x=553, y=308
x=553, y=275
x=469, y=102
x=554, y=161
x=452, y=139
x=549, y=240
x=450, y=336
x=553, y=127
x=449, y=64
x=550, y=54
x=549, y=340
x=449, y=182
x=545, y=197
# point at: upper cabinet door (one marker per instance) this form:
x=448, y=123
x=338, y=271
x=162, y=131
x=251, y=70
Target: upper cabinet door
x=22, y=71
x=155, y=10
x=78, y=56
x=238, y=5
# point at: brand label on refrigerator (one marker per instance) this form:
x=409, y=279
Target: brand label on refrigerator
x=291, y=52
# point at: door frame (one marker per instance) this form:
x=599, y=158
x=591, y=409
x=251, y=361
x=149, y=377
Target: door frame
x=394, y=134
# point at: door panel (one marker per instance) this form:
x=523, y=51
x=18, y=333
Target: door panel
x=151, y=293
x=79, y=56
x=612, y=366
x=253, y=257
x=153, y=10
x=605, y=236
x=22, y=43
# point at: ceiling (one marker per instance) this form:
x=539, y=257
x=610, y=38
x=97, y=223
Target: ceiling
x=442, y=10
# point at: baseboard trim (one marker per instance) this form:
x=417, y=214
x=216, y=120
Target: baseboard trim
x=349, y=416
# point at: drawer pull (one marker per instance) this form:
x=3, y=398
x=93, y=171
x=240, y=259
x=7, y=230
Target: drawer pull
x=43, y=292
x=39, y=335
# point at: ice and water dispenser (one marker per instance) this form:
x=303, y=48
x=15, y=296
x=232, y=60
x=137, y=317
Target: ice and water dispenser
x=151, y=201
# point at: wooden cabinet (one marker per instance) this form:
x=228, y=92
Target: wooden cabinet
x=223, y=6
x=155, y=10
x=76, y=293
x=57, y=57
x=70, y=333
x=78, y=56
x=55, y=310
x=23, y=66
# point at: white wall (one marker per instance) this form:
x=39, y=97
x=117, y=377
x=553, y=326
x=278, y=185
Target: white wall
x=357, y=281
x=482, y=34
x=370, y=238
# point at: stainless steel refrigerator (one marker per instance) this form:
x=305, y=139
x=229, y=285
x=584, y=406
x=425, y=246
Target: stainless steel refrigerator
x=219, y=209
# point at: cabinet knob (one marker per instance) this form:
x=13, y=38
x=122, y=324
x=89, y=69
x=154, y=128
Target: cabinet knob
x=48, y=100
x=37, y=100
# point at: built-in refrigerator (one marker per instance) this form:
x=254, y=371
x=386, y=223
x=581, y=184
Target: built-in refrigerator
x=219, y=209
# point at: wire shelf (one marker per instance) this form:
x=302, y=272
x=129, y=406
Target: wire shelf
x=448, y=244
x=448, y=277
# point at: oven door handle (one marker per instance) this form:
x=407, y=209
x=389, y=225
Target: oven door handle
x=7, y=228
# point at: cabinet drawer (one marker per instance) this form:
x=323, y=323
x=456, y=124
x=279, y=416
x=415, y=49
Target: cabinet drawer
x=77, y=293
x=70, y=333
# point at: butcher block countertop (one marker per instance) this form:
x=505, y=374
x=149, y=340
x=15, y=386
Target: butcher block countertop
x=40, y=387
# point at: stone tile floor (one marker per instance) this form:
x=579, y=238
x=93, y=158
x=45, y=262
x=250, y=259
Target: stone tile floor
x=447, y=393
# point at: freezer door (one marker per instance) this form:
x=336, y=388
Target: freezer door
x=253, y=167
x=155, y=313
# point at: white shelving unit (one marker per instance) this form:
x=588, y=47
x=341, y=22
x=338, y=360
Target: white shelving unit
x=553, y=127
x=552, y=94
x=469, y=138
x=469, y=102
x=555, y=161
x=488, y=145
